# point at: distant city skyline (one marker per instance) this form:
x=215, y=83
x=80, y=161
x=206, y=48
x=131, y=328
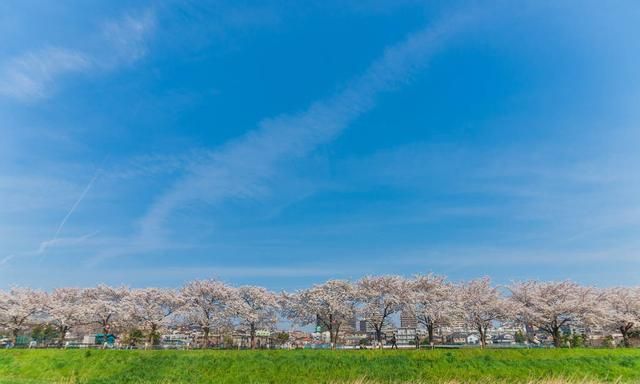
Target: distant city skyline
x=149, y=144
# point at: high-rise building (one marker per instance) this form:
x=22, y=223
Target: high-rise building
x=408, y=320
x=349, y=326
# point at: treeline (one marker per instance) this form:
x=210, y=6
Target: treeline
x=214, y=306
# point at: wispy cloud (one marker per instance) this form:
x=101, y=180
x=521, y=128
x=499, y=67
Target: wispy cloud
x=6, y=259
x=155, y=164
x=62, y=242
x=128, y=37
x=245, y=167
x=242, y=271
x=33, y=75
x=27, y=193
x=560, y=198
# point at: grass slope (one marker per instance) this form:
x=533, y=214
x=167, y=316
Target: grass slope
x=455, y=366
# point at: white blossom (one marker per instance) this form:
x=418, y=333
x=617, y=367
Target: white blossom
x=381, y=297
x=621, y=307
x=258, y=309
x=209, y=304
x=482, y=305
x=329, y=304
x=431, y=299
x=152, y=308
x=18, y=307
x=550, y=306
x=105, y=306
x=66, y=308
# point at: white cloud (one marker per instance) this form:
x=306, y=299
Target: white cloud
x=33, y=75
x=21, y=194
x=128, y=37
x=245, y=167
x=6, y=259
x=241, y=271
x=61, y=242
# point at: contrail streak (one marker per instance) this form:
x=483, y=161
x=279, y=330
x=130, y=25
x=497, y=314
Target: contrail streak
x=75, y=205
x=45, y=244
x=55, y=240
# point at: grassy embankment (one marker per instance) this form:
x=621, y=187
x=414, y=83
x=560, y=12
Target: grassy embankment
x=439, y=366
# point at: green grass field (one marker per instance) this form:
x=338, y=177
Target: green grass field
x=439, y=366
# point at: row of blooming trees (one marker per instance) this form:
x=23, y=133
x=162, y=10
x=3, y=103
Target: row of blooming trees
x=207, y=304
x=436, y=302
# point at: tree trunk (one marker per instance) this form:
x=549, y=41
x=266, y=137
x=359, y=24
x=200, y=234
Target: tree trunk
x=105, y=326
x=557, y=340
x=152, y=333
x=331, y=331
x=253, y=336
x=63, y=333
x=483, y=336
x=14, y=333
x=625, y=335
x=335, y=336
x=379, y=336
x=430, y=332
x=206, y=336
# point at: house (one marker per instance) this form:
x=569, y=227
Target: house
x=462, y=338
x=473, y=338
x=456, y=338
x=504, y=338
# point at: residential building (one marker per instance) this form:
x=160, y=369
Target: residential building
x=462, y=338
x=406, y=336
x=408, y=320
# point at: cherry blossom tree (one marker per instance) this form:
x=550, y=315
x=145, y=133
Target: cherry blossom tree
x=622, y=310
x=435, y=302
x=152, y=308
x=18, y=307
x=431, y=299
x=65, y=308
x=380, y=297
x=209, y=304
x=331, y=304
x=549, y=306
x=105, y=306
x=482, y=305
x=258, y=308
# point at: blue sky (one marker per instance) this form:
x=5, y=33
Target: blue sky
x=282, y=144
